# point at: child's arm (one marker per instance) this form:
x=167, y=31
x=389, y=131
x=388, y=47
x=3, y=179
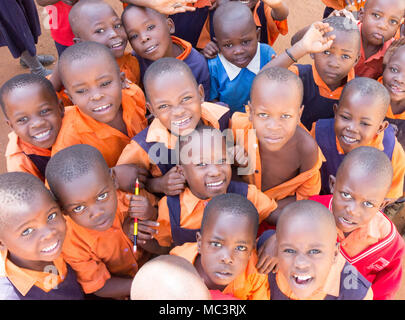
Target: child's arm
x=172, y=183
x=164, y=6
x=273, y=217
x=314, y=40
x=279, y=11
x=267, y=253
x=115, y=287
x=126, y=174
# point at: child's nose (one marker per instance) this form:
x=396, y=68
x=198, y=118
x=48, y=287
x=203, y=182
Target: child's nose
x=226, y=258
x=145, y=37
x=37, y=122
x=301, y=262
x=96, y=96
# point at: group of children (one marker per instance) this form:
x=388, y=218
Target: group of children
x=266, y=179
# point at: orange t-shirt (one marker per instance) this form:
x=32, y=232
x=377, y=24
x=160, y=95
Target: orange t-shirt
x=192, y=210
x=79, y=128
x=341, y=4
x=130, y=65
x=303, y=186
x=249, y=285
x=97, y=255
x=17, y=159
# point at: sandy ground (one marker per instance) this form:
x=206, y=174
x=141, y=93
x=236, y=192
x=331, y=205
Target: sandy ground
x=302, y=13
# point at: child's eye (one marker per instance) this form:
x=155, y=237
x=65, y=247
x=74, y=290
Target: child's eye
x=215, y=244
x=394, y=70
x=291, y=251
x=345, y=56
x=245, y=42
x=117, y=26
x=101, y=30
x=314, y=251
x=365, y=124
x=22, y=120
x=151, y=27
x=395, y=22
x=27, y=231
x=162, y=106
x=222, y=161
x=80, y=91
x=202, y=164
x=327, y=52
x=102, y=196
x=228, y=45
x=133, y=37
x=241, y=248
x=262, y=115
x=185, y=99
x=285, y=116
x=106, y=83
x=376, y=15
x=52, y=216
x=78, y=209
x=344, y=117
x=368, y=204
x=346, y=195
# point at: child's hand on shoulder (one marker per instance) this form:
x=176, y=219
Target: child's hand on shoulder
x=173, y=182
x=211, y=50
x=315, y=39
x=126, y=175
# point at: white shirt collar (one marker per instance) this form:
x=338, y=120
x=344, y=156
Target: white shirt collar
x=233, y=71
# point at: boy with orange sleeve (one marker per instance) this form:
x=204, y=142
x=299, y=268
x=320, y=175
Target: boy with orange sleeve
x=359, y=121
x=224, y=254
x=177, y=103
x=106, y=114
x=149, y=33
x=32, y=234
x=334, y=45
x=205, y=163
x=98, y=245
x=283, y=159
x=34, y=113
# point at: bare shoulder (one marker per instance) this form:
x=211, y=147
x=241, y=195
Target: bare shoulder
x=307, y=149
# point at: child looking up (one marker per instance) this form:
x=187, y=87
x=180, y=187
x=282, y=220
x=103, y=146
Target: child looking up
x=34, y=113
x=177, y=103
x=97, y=244
x=240, y=56
x=106, y=114
x=205, y=163
x=359, y=121
x=224, y=254
x=334, y=45
x=32, y=233
x=149, y=33
x=285, y=160
x=368, y=239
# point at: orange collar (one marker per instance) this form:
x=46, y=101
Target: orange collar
x=17, y=145
x=186, y=46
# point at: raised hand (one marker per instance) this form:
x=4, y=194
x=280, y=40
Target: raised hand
x=316, y=40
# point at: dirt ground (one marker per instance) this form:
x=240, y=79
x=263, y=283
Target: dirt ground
x=302, y=13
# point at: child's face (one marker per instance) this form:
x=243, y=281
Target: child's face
x=176, y=101
x=149, y=33
x=381, y=20
x=91, y=200
x=101, y=24
x=394, y=75
x=275, y=112
x=237, y=41
x=353, y=204
x=334, y=64
x=305, y=255
x=208, y=174
x=35, y=231
x=34, y=115
x=358, y=121
x=95, y=86
x=225, y=248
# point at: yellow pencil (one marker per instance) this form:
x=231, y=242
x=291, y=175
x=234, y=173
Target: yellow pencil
x=136, y=219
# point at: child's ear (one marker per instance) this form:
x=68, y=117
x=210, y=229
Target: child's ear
x=258, y=31
x=9, y=123
x=250, y=111
x=113, y=176
x=77, y=40
x=2, y=246
x=180, y=170
x=201, y=92
x=61, y=107
x=385, y=203
x=382, y=126
x=171, y=26
x=332, y=183
x=301, y=111
x=360, y=14
x=312, y=56
x=335, y=107
x=149, y=107
x=123, y=80
x=198, y=238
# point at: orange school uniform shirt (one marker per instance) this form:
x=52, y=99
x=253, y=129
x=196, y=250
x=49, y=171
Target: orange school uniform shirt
x=303, y=186
x=17, y=159
x=98, y=255
x=249, y=285
x=24, y=279
x=79, y=128
x=397, y=161
x=130, y=65
x=192, y=210
x=341, y=4
x=134, y=153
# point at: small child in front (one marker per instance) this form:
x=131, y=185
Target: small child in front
x=149, y=33
x=240, y=56
x=205, y=162
x=176, y=101
x=224, y=254
x=368, y=239
x=359, y=121
x=284, y=158
x=34, y=113
x=98, y=217
x=106, y=113
x=32, y=233
x=334, y=45
x=310, y=266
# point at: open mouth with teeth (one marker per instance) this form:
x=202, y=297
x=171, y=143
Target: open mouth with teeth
x=52, y=248
x=217, y=184
x=151, y=49
x=346, y=222
x=223, y=274
x=117, y=45
x=396, y=89
x=301, y=280
x=44, y=135
x=103, y=108
x=349, y=140
x=182, y=123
